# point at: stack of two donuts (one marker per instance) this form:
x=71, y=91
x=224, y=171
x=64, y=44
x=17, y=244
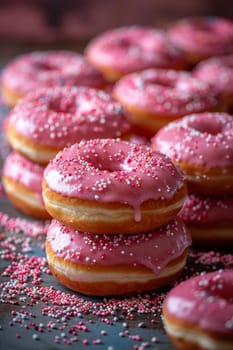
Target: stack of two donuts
x=44, y=122
x=114, y=229
x=202, y=146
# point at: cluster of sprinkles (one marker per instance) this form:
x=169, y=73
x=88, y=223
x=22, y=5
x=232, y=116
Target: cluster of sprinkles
x=39, y=309
x=198, y=209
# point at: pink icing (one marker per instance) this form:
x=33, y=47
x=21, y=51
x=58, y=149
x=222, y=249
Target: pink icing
x=208, y=36
x=200, y=139
x=23, y=171
x=166, y=92
x=113, y=171
x=218, y=71
x=62, y=116
x=49, y=69
x=200, y=210
x=130, y=49
x=153, y=250
x=205, y=300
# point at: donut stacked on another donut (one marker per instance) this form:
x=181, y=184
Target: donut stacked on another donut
x=44, y=122
x=202, y=146
x=115, y=205
x=124, y=50
x=50, y=69
x=202, y=37
x=219, y=72
x=198, y=313
x=155, y=97
x=112, y=186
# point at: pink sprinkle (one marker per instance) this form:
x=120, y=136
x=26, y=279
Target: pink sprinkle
x=136, y=337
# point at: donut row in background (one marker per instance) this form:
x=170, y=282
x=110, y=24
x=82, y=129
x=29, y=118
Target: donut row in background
x=121, y=51
x=94, y=130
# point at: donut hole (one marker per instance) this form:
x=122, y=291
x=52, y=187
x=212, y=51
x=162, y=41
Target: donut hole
x=207, y=127
x=168, y=79
x=60, y=105
x=117, y=162
x=99, y=161
x=120, y=43
x=125, y=42
x=44, y=66
x=161, y=83
x=104, y=166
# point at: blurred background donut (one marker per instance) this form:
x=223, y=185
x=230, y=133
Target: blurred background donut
x=54, y=22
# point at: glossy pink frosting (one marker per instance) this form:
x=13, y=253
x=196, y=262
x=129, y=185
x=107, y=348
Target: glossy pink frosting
x=218, y=71
x=204, y=139
x=166, y=92
x=206, y=301
x=49, y=69
x=23, y=171
x=199, y=210
x=113, y=171
x=62, y=116
x=154, y=249
x=134, y=48
x=208, y=36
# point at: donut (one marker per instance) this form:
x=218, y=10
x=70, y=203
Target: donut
x=209, y=219
x=118, y=264
x=198, y=313
x=202, y=146
x=155, y=97
x=219, y=72
x=42, y=69
x=112, y=186
x=22, y=181
x=125, y=50
x=202, y=37
x=47, y=120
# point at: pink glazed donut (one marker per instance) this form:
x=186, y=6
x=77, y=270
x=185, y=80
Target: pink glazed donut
x=209, y=219
x=116, y=264
x=198, y=313
x=46, y=121
x=155, y=97
x=202, y=146
x=39, y=69
x=219, y=72
x=112, y=186
x=22, y=182
x=203, y=37
x=128, y=49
